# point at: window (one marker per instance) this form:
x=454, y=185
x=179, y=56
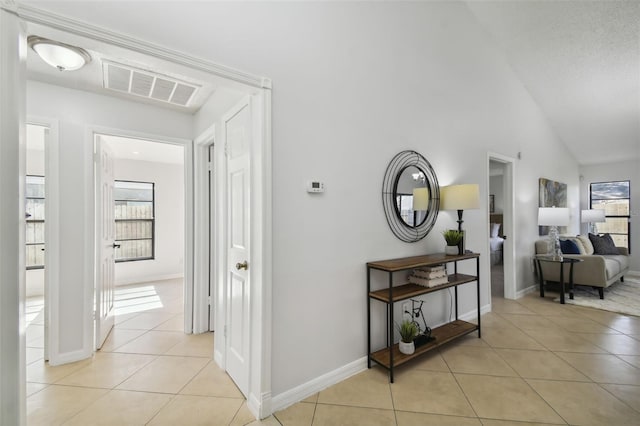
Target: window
x=614, y=198
x=34, y=209
x=134, y=204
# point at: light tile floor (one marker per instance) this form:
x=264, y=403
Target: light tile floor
x=147, y=372
x=538, y=362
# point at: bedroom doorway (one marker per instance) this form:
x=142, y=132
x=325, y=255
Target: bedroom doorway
x=501, y=226
x=496, y=227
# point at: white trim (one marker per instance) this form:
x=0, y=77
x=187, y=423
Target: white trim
x=188, y=199
x=51, y=237
x=261, y=252
x=509, y=248
x=69, y=357
x=202, y=230
x=524, y=292
x=305, y=390
x=633, y=273
x=472, y=315
x=148, y=278
x=70, y=25
x=13, y=51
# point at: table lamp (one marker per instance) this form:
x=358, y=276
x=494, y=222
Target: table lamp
x=460, y=198
x=553, y=217
x=592, y=217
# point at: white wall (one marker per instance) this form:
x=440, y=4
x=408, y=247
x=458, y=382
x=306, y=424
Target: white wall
x=169, y=221
x=75, y=111
x=347, y=97
x=626, y=170
x=353, y=84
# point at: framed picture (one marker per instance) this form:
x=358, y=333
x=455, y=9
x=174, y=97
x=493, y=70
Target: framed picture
x=551, y=194
x=492, y=203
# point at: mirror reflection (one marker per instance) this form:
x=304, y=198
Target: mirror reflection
x=411, y=193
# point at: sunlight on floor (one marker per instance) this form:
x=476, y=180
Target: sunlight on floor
x=33, y=307
x=136, y=299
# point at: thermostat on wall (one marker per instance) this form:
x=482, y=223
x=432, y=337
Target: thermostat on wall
x=315, y=186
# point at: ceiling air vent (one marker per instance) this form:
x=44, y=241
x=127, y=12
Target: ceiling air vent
x=147, y=84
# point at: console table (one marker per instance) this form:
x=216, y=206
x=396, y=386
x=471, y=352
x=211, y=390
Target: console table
x=390, y=356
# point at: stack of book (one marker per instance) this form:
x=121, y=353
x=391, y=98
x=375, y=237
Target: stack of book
x=429, y=276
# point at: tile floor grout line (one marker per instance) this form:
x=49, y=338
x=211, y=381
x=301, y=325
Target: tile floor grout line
x=459, y=385
x=393, y=403
x=615, y=396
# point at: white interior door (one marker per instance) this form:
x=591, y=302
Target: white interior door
x=237, y=134
x=105, y=286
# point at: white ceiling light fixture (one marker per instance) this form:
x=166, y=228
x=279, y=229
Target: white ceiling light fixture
x=59, y=55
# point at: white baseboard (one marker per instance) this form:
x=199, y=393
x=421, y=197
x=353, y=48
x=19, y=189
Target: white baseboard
x=260, y=408
x=473, y=315
x=636, y=273
x=69, y=357
x=526, y=291
x=305, y=390
x=147, y=279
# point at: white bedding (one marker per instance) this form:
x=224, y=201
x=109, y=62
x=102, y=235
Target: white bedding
x=496, y=243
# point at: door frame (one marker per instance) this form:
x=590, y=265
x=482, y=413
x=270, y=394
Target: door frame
x=508, y=225
x=202, y=228
x=13, y=84
x=94, y=220
x=260, y=224
x=51, y=237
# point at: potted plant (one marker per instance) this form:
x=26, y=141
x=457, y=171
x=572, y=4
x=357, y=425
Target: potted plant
x=408, y=331
x=453, y=238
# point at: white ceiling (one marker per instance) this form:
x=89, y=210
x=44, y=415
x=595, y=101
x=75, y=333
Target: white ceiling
x=144, y=150
x=90, y=77
x=580, y=61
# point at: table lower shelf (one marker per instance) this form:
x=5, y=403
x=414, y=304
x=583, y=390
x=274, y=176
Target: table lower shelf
x=442, y=334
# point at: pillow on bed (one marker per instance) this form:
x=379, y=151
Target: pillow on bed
x=569, y=247
x=495, y=229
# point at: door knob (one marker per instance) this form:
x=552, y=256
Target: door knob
x=244, y=265
x=116, y=245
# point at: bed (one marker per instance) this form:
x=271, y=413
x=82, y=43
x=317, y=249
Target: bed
x=496, y=239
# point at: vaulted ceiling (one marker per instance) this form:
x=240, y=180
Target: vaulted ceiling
x=580, y=61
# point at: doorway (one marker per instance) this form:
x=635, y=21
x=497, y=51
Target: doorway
x=501, y=172
x=78, y=304
x=145, y=292
x=496, y=227
x=35, y=241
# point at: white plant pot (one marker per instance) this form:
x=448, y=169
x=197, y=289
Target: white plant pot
x=451, y=249
x=407, y=348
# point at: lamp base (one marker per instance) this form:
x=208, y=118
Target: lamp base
x=554, y=243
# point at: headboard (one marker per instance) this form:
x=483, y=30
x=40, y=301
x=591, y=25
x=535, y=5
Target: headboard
x=497, y=218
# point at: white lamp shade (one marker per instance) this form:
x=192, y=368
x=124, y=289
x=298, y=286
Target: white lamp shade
x=593, y=216
x=553, y=216
x=421, y=199
x=460, y=197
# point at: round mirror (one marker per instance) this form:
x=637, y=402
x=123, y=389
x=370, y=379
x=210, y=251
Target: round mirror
x=410, y=196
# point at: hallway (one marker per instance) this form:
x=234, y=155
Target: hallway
x=147, y=372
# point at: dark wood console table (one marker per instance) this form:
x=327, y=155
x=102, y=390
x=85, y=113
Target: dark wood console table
x=390, y=356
